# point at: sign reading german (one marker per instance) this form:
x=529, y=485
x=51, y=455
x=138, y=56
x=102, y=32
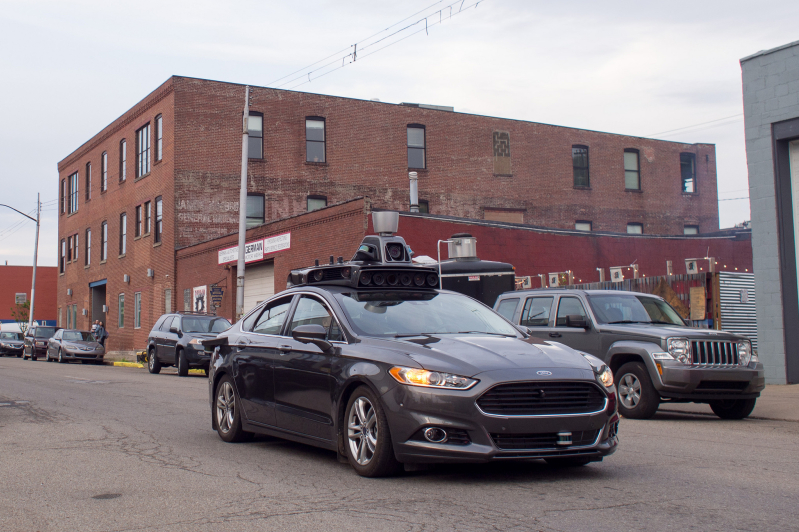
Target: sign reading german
x=255, y=251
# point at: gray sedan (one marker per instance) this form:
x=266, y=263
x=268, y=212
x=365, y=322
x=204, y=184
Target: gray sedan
x=72, y=344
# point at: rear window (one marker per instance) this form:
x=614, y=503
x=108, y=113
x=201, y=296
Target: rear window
x=204, y=325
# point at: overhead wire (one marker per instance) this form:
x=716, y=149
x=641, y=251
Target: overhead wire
x=696, y=125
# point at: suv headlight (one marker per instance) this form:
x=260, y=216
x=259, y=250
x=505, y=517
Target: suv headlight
x=195, y=341
x=680, y=349
x=431, y=379
x=744, y=352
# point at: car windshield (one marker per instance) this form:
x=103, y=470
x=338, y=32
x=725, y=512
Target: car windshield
x=416, y=314
x=204, y=325
x=45, y=332
x=10, y=336
x=77, y=336
x=614, y=308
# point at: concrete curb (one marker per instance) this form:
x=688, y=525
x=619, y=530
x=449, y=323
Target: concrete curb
x=137, y=365
x=708, y=414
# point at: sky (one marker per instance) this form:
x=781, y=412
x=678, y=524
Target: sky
x=668, y=70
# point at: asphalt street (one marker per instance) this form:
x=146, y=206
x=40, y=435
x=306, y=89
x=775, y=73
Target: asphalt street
x=106, y=448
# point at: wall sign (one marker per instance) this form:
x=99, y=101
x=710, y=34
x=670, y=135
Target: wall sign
x=255, y=251
x=698, y=302
x=20, y=298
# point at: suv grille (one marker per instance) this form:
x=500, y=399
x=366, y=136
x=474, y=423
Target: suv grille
x=541, y=441
x=542, y=398
x=714, y=353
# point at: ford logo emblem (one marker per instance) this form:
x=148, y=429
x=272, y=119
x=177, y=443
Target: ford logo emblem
x=543, y=372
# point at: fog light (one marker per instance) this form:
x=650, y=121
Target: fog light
x=435, y=435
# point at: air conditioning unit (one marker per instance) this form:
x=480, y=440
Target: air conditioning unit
x=126, y=278
x=85, y=312
x=150, y=272
x=105, y=308
x=69, y=291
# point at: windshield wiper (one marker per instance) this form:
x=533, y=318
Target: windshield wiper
x=485, y=332
x=627, y=321
x=667, y=323
x=413, y=335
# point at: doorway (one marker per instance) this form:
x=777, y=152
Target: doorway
x=98, y=301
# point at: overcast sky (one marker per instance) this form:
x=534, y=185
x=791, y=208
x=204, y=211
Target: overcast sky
x=639, y=68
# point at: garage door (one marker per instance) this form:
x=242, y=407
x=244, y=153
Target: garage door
x=259, y=283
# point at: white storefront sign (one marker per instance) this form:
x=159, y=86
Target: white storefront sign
x=255, y=251
x=277, y=243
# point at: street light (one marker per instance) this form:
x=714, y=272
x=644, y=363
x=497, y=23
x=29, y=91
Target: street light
x=35, y=251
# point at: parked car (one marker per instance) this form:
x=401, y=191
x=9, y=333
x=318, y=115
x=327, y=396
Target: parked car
x=72, y=344
x=11, y=344
x=37, y=338
x=377, y=364
x=654, y=355
x=175, y=341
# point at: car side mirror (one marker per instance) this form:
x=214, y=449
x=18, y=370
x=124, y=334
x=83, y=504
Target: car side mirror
x=577, y=321
x=312, y=334
x=174, y=330
x=524, y=330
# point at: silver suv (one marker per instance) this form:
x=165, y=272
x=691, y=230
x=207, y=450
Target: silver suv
x=655, y=357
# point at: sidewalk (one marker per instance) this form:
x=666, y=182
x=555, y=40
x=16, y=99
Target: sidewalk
x=777, y=402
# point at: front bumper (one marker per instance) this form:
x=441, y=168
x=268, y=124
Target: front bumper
x=411, y=409
x=78, y=354
x=197, y=356
x=13, y=351
x=710, y=383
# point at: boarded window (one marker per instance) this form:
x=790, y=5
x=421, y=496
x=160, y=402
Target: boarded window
x=502, y=153
x=504, y=215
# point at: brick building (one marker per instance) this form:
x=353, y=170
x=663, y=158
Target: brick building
x=165, y=176
x=15, y=281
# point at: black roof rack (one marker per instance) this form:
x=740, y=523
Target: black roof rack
x=192, y=313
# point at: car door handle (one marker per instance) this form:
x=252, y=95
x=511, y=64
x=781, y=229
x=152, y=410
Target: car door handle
x=284, y=349
x=555, y=335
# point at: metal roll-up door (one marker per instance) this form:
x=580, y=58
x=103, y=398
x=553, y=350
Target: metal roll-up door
x=738, y=309
x=259, y=283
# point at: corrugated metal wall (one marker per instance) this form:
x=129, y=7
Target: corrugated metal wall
x=737, y=295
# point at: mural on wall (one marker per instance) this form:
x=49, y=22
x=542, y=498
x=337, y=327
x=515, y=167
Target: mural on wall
x=200, y=299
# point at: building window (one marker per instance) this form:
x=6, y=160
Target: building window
x=138, y=221
x=88, y=181
x=69, y=249
x=688, y=172
x=315, y=140
x=104, y=171
x=580, y=165
x=255, y=132
x=69, y=316
x=632, y=176
x=168, y=301
x=104, y=242
x=424, y=206
x=582, y=225
x=121, y=317
x=75, y=247
x=62, y=263
x=502, y=153
x=72, y=205
x=123, y=233
x=123, y=160
x=504, y=215
x=690, y=230
x=187, y=300
x=159, y=137
x=59, y=317
x=143, y=151
x=137, y=310
x=314, y=202
x=416, y=146
x=635, y=228
x=159, y=218
x=148, y=213
x=75, y=316
x=87, y=256
x=63, y=196
x=255, y=210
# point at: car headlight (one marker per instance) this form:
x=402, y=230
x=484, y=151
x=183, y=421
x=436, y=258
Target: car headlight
x=602, y=371
x=431, y=379
x=680, y=349
x=744, y=352
x=195, y=341
x=4, y=345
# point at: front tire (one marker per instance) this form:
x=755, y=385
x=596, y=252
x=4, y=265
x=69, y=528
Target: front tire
x=733, y=408
x=153, y=365
x=227, y=414
x=369, y=448
x=638, y=398
x=183, y=364
x=60, y=357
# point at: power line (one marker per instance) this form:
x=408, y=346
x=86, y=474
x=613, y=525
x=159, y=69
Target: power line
x=695, y=125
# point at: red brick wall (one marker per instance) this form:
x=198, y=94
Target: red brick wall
x=142, y=253
x=537, y=252
x=17, y=279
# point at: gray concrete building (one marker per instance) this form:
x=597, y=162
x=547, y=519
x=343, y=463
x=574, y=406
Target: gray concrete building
x=771, y=117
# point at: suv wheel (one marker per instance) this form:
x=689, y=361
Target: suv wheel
x=638, y=399
x=153, y=366
x=183, y=364
x=733, y=408
x=369, y=448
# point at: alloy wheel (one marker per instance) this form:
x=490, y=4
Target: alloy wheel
x=629, y=390
x=151, y=361
x=362, y=430
x=60, y=357
x=225, y=407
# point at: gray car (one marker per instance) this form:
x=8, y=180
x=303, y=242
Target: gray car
x=655, y=357
x=72, y=344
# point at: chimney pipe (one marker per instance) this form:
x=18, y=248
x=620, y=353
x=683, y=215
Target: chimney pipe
x=413, y=176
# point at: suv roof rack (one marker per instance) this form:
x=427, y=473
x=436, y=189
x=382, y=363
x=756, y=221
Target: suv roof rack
x=193, y=313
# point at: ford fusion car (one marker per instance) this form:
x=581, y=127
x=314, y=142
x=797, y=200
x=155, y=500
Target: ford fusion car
x=370, y=359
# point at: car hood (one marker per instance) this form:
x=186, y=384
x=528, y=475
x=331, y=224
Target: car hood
x=669, y=331
x=12, y=342
x=470, y=354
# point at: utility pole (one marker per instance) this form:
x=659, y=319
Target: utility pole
x=245, y=139
x=35, y=258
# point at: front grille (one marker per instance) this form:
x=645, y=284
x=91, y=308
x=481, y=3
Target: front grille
x=714, y=353
x=722, y=385
x=516, y=442
x=542, y=399
x=458, y=437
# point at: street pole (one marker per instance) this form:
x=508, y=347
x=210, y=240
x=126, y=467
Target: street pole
x=35, y=258
x=242, y=207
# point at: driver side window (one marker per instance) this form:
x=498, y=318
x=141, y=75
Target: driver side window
x=271, y=319
x=569, y=306
x=311, y=311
